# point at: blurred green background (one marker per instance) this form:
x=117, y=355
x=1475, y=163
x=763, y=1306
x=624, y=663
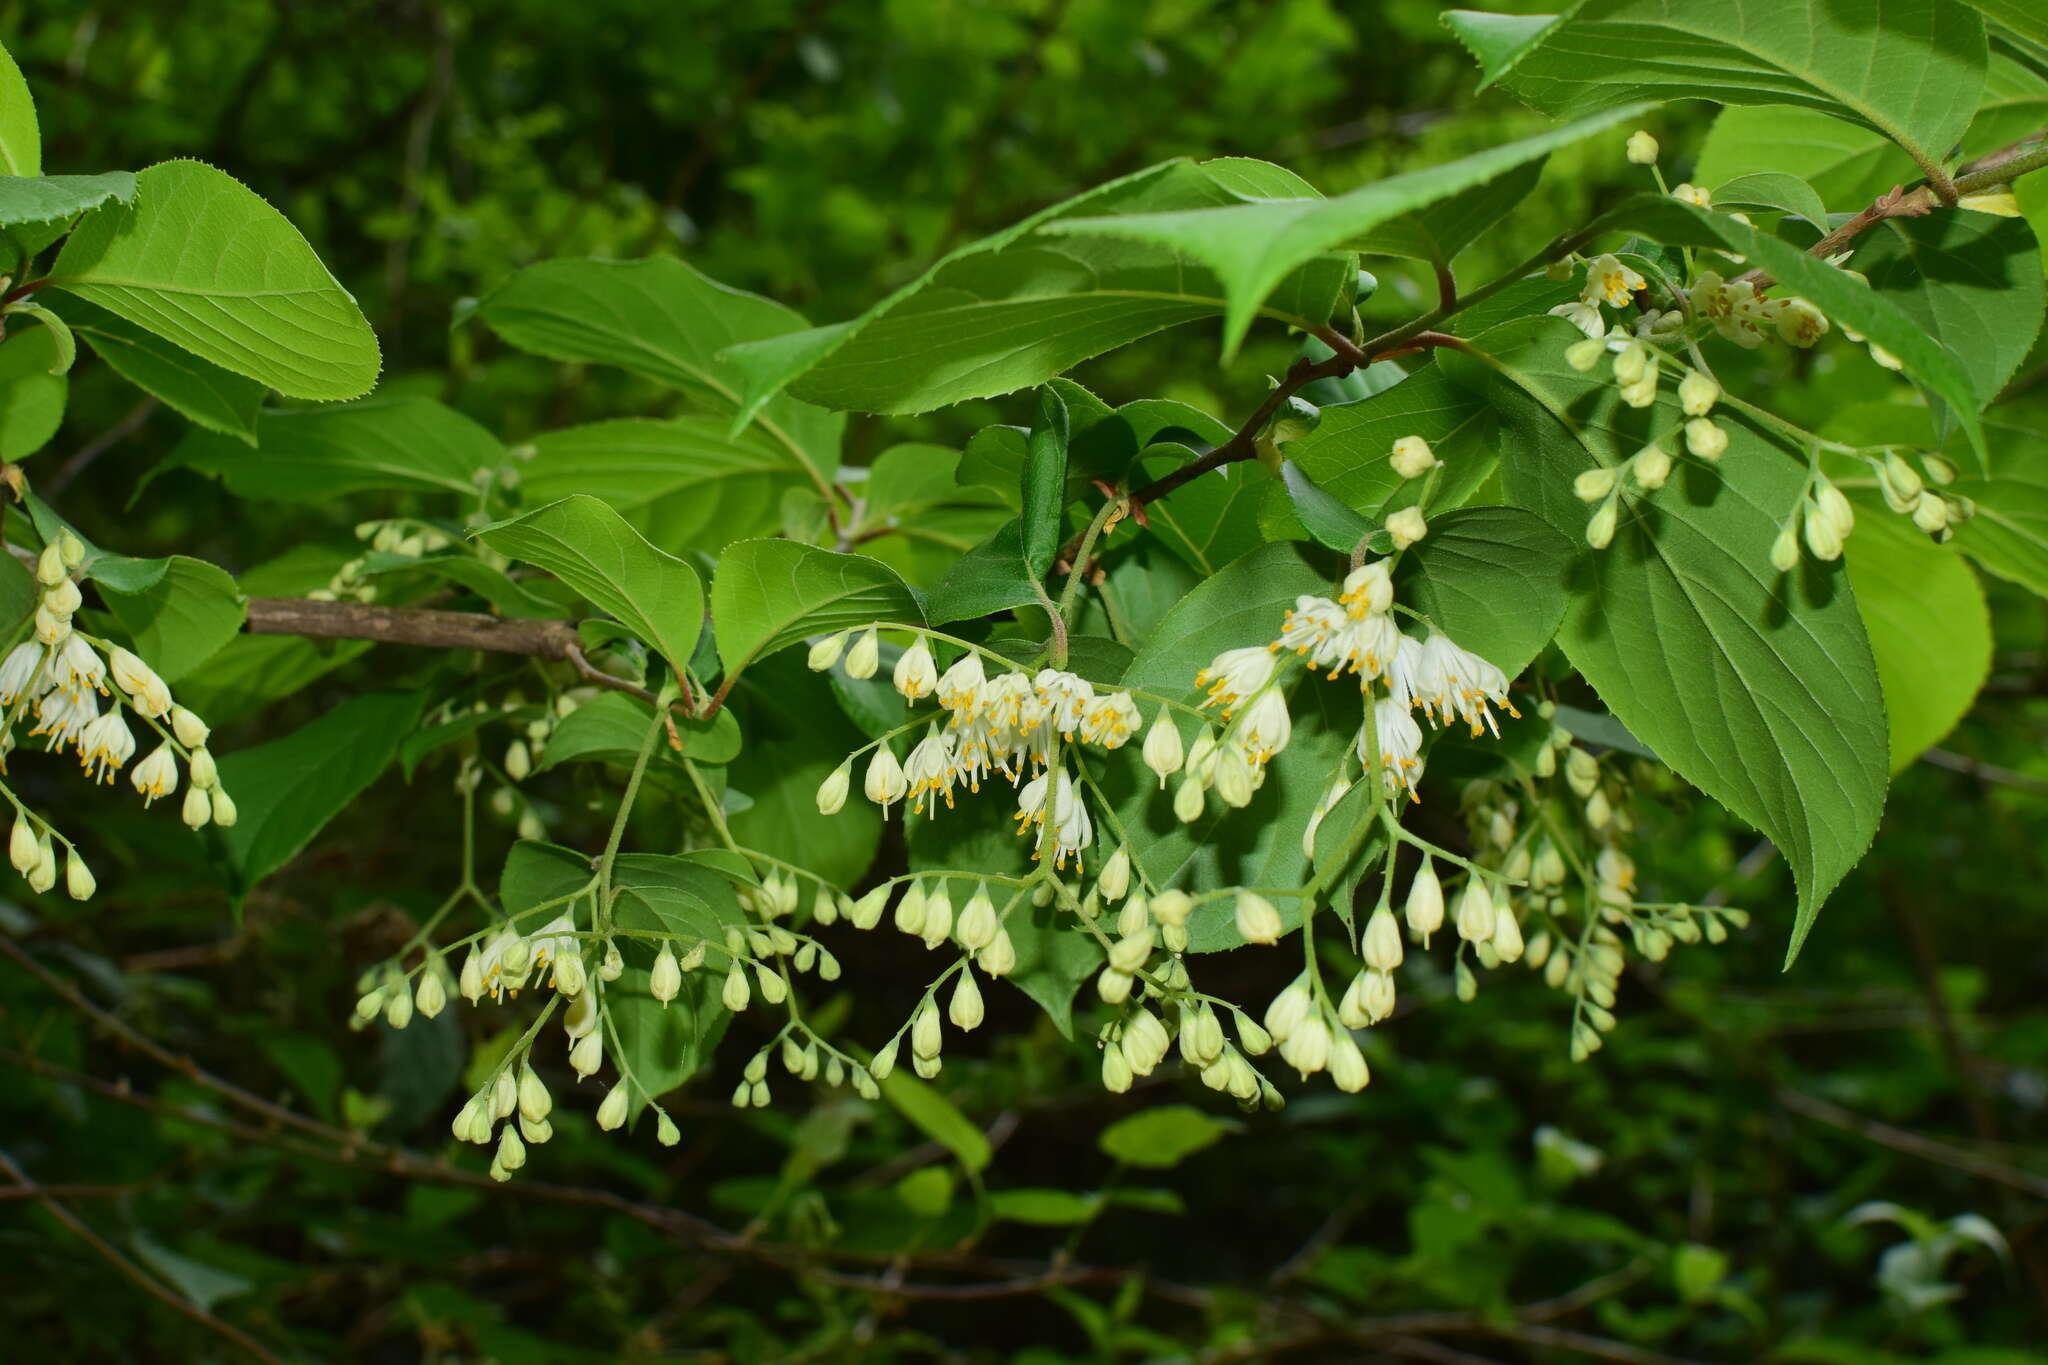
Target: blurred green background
x=1682, y=1196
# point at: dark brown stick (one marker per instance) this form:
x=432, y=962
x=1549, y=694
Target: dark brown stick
x=410, y=626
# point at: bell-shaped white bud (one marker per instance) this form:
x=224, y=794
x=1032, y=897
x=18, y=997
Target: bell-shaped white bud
x=832, y=791
x=1382, y=946
x=1424, y=909
x=1257, y=920
x=666, y=979
x=865, y=657
x=611, y=1113
x=965, y=1008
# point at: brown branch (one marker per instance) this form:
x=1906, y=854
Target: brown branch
x=409, y=626
x=147, y=1282
x=1985, y=173
x=1913, y=1144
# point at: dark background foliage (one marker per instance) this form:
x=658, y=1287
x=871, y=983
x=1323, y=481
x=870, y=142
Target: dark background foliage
x=1695, y=1174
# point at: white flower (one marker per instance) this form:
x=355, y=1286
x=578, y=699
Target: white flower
x=832, y=791
x=1257, y=920
x=506, y=963
x=1234, y=675
x=21, y=671
x=156, y=774
x=1066, y=696
x=146, y=691
x=1412, y=457
x=1265, y=727
x=77, y=667
x=1369, y=588
x=1110, y=719
x=50, y=627
x=959, y=687
x=1446, y=680
x=1365, y=645
x=1583, y=316
x=1308, y=627
x=1696, y=195
x=1610, y=282
x=1064, y=817
x=1163, y=752
x=1400, y=745
x=554, y=945
x=62, y=715
x=1799, y=323
x=916, y=675
x=930, y=772
x=1406, y=527
x=865, y=657
x=104, y=745
x=884, y=783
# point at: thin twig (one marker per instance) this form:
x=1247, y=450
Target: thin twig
x=81, y=460
x=148, y=1283
x=1913, y=1144
x=1984, y=772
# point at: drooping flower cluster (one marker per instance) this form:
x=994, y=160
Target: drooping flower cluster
x=59, y=676
x=1014, y=724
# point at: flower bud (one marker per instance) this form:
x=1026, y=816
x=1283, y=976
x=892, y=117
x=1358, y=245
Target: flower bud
x=965, y=1009
x=1128, y=954
x=666, y=979
x=1412, y=457
x=1930, y=513
x=867, y=911
x=430, y=996
x=736, y=993
x=909, y=917
x=665, y=1131
x=198, y=808
x=1406, y=527
x=1642, y=148
x=1593, y=484
x=50, y=570
x=1284, y=1014
x=1834, y=505
x=832, y=791
x=938, y=916
x=979, y=923
x=1632, y=362
x=1115, y=878
x=529, y=1095
x=1600, y=528
x=1163, y=753
x=1382, y=946
x=22, y=847
x=71, y=547
x=825, y=653
x=1822, y=537
x=1000, y=957
x=611, y=1113
x=1113, y=986
x=1116, y=1070
x=885, y=783
x=1507, y=930
x=1697, y=394
x=926, y=1039
x=1651, y=467
x=518, y=761
x=1348, y=1071
x=1171, y=908
x=1475, y=912
x=1307, y=1049
x=587, y=1055
x=223, y=807
x=1584, y=355
x=916, y=674
x=64, y=599
x=1189, y=800
x=1257, y=920
x=865, y=656
x=1424, y=909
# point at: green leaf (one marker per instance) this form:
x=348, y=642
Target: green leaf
x=1758, y=688
x=317, y=454
x=196, y=389
x=1910, y=69
x=918, y=518
x=508, y=596
x=1774, y=192
x=591, y=548
x=251, y=671
x=183, y=619
x=935, y=1116
x=2023, y=17
x=1846, y=165
x=684, y=484
x=204, y=262
x=430, y=738
x=1252, y=247
x=1696, y=1270
x=927, y=1193
x=1493, y=578
x=989, y=578
x=60, y=198
x=32, y=399
x=1045, y=484
x=661, y=319
x=1929, y=627
x=1160, y=1139
x=1212, y=518
x=18, y=592
x=1044, y=1208
x=1437, y=234
x=21, y=141
x=1024, y=305
x=289, y=788
x=1328, y=520
x=1972, y=282
x=610, y=729
x=1346, y=455
x=664, y=1046
x=768, y=594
